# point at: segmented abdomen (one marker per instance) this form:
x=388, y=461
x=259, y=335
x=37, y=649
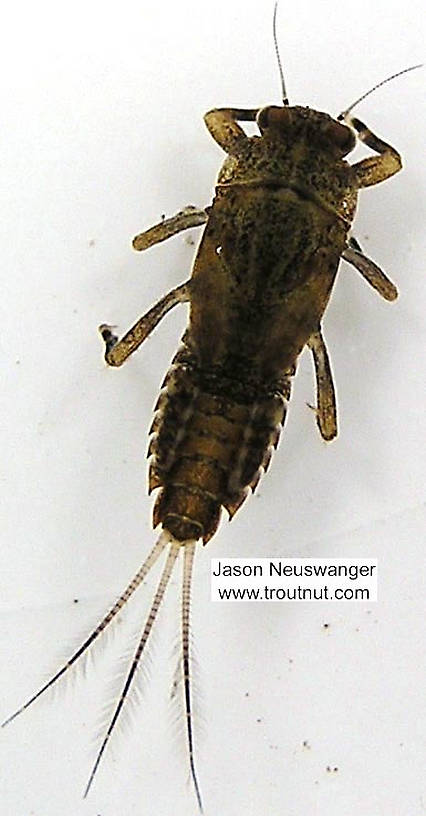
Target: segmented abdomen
x=208, y=447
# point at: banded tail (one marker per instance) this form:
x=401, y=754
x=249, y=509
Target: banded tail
x=165, y=540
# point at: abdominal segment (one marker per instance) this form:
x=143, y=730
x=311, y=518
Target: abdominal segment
x=208, y=447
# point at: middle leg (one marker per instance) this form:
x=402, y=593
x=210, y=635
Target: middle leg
x=117, y=351
x=189, y=217
x=369, y=270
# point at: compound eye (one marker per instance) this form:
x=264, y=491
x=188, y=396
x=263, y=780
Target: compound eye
x=272, y=116
x=262, y=118
x=340, y=135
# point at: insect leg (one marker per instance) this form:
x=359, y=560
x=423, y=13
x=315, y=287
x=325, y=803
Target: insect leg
x=222, y=125
x=117, y=351
x=158, y=597
x=326, y=411
x=185, y=219
x=122, y=600
x=375, y=168
x=370, y=272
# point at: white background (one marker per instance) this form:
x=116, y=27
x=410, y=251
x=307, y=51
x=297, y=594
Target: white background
x=101, y=133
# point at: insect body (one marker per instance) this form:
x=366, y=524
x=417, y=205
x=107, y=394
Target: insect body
x=264, y=271
x=261, y=281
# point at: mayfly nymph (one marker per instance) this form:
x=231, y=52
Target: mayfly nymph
x=262, y=277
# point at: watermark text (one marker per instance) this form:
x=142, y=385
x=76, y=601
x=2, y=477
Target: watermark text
x=294, y=579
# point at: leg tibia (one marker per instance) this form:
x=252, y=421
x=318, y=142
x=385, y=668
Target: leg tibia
x=370, y=272
x=222, y=125
x=117, y=351
x=185, y=219
x=326, y=411
x=375, y=168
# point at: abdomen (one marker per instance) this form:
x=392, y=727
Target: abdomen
x=209, y=447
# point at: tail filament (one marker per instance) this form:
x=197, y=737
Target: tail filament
x=158, y=597
x=186, y=661
x=122, y=600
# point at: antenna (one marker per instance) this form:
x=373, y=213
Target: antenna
x=344, y=114
x=277, y=52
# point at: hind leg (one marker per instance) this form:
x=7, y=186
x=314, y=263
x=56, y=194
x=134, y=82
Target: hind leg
x=326, y=411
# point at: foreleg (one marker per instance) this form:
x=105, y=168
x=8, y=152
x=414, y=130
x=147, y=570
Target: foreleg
x=375, y=168
x=222, y=125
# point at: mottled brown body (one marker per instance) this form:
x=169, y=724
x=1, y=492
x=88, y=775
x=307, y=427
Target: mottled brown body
x=261, y=281
x=214, y=434
x=262, y=278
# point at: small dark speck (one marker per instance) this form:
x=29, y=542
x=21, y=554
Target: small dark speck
x=163, y=216
x=306, y=745
x=247, y=694
x=17, y=362
x=75, y=600
x=357, y=629
x=326, y=626
x=274, y=747
x=329, y=769
x=259, y=719
x=92, y=242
